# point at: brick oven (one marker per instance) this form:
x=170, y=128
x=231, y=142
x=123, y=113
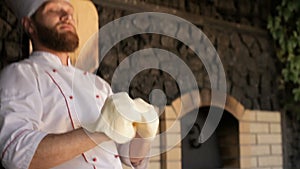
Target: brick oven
x=244, y=138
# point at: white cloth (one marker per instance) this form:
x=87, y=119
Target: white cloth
x=40, y=96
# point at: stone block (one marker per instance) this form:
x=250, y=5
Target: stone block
x=264, y=116
x=248, y=162
x=247, y=139
x=170, y=113
x=276, y=149
x=173, y=140
x=269, y=139
x=156, y=141
x=275, y=127
x=255, y=150
x=174, y=154
x=173, y=126
x=177, y=106
x=265, y=161
x=250, y=127
x=188, y=104
x=173, y=164
x=155, y=165
x=155, y=158
x=249, y=116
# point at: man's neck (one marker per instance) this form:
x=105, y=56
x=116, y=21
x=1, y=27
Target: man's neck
x=63, y=56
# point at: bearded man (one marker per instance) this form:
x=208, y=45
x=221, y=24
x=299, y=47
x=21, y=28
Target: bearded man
x=42, y=108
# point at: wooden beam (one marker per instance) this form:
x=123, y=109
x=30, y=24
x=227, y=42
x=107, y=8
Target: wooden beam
x=136, y=7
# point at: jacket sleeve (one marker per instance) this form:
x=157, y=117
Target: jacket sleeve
x=20, y=114
x=123, y=149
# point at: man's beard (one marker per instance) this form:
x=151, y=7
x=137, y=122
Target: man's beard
x=52, y=39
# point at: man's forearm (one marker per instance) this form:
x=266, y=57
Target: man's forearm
x=139, y=149
x=56, y=149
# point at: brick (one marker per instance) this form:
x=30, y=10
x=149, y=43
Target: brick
x=156, y=142
x=174, y=164
x=187, y=104
x=275, y=128
x=239, y=110
x=255, y=150
x=231, y=104
x=250, y=127
x=248, y=162
x=174, y=154
x=155, y=158
x=154, y=165
x=173, y=140
x=277, y=167
x=173, y=126
x=269, y=139
x=276, y=149
x=244, y=127
x=249, y=116
x=196, y=98
x=270, y=161
x=264, y=116
x=170, y=113
x=246, y=139
x=177, y=106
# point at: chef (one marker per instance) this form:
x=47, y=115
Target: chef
x=53, y=115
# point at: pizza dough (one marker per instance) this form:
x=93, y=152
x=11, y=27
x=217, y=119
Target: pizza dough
x=121, y=117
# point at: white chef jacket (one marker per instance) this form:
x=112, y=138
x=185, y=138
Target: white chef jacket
x=40, y=96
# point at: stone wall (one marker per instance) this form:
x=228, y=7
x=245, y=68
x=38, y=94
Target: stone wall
x=247, y=57
x=291, y=137
x=13, y=44
x=253, y=13
x=237, y=30
x=259, y=137
x=242, y=42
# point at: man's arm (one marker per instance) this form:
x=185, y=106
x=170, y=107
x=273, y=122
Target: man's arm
x=56, y=149
x=139, y=149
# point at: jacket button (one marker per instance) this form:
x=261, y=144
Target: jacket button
x=71, y=97
x=94, y=159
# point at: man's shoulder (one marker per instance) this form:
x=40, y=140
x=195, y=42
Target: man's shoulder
x=22, y=65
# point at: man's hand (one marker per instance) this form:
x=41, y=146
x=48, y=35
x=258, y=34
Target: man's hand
x=148, y=125
x=112, y=122
x=121, y=117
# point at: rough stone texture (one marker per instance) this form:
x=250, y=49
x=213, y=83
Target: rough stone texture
x=253, y=13
x=291, y=130
x=13, y=42
x=248, y=59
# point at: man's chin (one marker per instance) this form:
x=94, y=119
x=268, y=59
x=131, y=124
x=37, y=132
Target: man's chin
x=67, y=30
